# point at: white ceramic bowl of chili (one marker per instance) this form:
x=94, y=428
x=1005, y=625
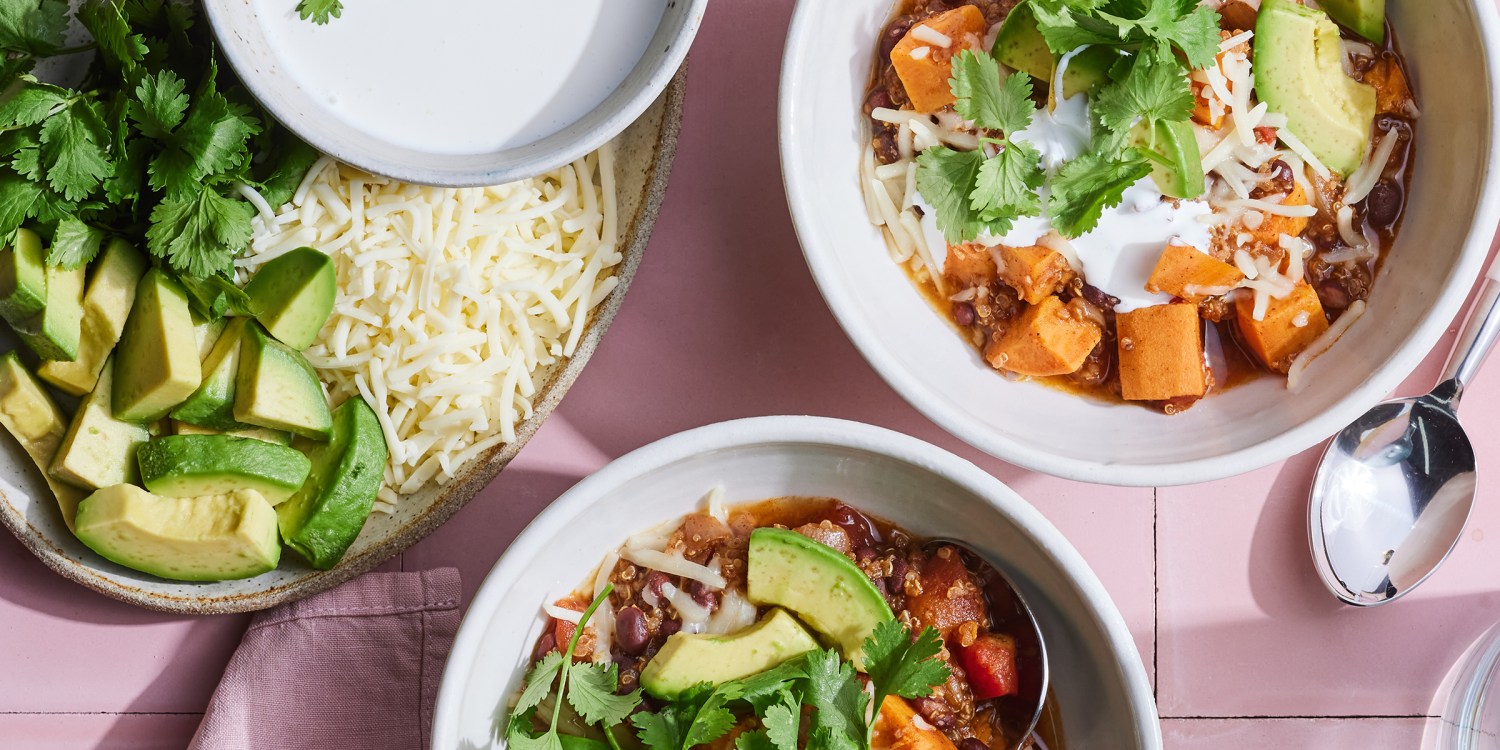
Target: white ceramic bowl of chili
x=1420, y=288
x=1097, y=675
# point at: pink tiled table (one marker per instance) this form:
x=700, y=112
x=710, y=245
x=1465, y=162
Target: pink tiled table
x=1244, y=647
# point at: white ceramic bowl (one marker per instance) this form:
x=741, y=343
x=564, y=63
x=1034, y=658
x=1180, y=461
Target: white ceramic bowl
x=1097, y=673
x=1418, y=292
x=242, y=35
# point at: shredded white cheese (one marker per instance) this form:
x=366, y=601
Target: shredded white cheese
x=674, y=565
x=453, y=304
x=1295, y=380
x=925, y=33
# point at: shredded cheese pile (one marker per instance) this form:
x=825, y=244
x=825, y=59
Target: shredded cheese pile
x=452, y=303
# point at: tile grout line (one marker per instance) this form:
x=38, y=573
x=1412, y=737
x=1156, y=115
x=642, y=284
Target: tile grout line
x=101, y=713
x=1155, y=605
x=1293, y=717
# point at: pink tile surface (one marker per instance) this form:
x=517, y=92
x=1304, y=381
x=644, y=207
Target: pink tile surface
x=724, y=322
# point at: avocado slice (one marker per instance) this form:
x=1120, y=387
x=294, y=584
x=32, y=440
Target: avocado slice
x=212, y=405
x=158, y=365
x=819, y=584
x=54, y=332
x=213, y=538
x=1364, y=17
x=1020, y=45
x=199, y=465
x=23, y=277
x=106, y=305
x=277, y=388
x=1299, y=72
x=206, y=333
x=258, y=433
x=326, y=515
x=33, y=419
x=687, y=659
x=293, y=296
x=99, y=450
x=1175, y=157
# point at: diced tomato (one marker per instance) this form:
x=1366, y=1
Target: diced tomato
x=991, y=666
x=562, y=631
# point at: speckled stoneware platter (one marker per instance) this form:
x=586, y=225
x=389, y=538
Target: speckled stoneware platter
x=643, y=160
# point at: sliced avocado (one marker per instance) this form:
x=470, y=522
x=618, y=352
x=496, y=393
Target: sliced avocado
x=54, y=332
x=23, y=277
x=326, y=515
x=1364, y=17
x=34, y=420
x=106, y=306
x=293, y=296
x=1299, y=72
x=1178, y=164
x=213, y=538
x=688, y=659
x=277, y=388
x=199, y=465
x=158, y=366
x=99, y=450
x=212, y=405
x=819, y=584
x=259, y=433
x=207, y=333
x=1020, y=45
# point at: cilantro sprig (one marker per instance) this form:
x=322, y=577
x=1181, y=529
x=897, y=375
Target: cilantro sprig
x=153, y=145
x=970, y=192
x=588, y=687
x=319, y=11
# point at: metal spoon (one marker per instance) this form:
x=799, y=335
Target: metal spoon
x=1019, y=713
x=1394, y=489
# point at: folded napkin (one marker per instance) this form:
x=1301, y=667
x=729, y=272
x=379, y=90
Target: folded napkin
x=354, y=667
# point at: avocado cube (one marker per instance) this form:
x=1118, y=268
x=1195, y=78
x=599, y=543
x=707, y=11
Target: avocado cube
x=324, y=518
x=198, y=465
x=106, y=305
x=158, y=363
x=99, y=450
x=34, y=420
x=259, y=433
x=690, y=659
x=213, y=538
x=207, y=334
x=55, y=331
x=276, y=387
x=293, y=296
x=212, y=405
x=23, y=277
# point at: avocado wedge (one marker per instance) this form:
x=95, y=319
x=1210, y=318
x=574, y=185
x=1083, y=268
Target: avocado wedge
x=200, y=465
x=33, y=419
x=326, y=515
x=819, y=584
x=107, y=302
x=214, y=538
x=23, y=277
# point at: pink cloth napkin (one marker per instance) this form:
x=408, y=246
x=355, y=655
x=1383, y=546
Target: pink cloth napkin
x=354, y=667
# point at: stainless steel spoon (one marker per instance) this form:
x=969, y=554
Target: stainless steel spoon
x=1021, y=712
x=1394, y=489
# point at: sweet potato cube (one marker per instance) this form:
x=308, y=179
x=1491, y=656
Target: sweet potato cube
x=1273, y=226
x=969, y=264
x=1049, y=338
x=1161, y=353
x=1289, y=325
x=897, y=727
x=1392, y=93
x=1190, y=274
x=1035, y=272
x=924, y=66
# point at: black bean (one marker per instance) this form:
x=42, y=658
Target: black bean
x=893, y=34
x=631, y=630
x=878, y=99
x=1384, y=204
x=971, y=743
x=1333, y=295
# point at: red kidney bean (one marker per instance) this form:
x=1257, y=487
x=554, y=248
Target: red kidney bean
x=893, y=34
x=669, y=627
x=861, y=529
x=878, y=99
x=631, y=630
x=936, y=712
x=898, y=573
x=963, y=314
x=1333, y=296
x=654, y=581
x=972, y=743
x=547, y=644
x=703, y=595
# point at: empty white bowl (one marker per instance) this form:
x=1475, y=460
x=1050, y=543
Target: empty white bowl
x=1098, y=677
x=1454, y=206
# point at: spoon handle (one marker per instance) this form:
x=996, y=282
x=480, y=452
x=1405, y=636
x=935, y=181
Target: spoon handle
x=1476, y=339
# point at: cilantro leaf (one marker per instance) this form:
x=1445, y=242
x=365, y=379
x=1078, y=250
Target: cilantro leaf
x=782, y=721
x=213, y=297
x=74, y=244
x=1156, y=89
x=210, y=141
x=1005, y=188
x=320, y=11
x=591, y=692
x=898, y=665
x=159, y=105
x=712, y=721
x=1066, y=25
x=518, y=734
x=539, y=681
x=34, y=27
x=118, y=44
x=990, y=100
x=72, y=153
x=946, y=179
x=838, y=700
x=1085, y=186
x=663, y=730
x=1192, y=28
x=755, y=740
x=31, y=104
x=280, y=176
x=199, y=233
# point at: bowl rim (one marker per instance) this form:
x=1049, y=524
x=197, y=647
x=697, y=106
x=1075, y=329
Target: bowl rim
x=705, y=441
x=797, y=66
x=583, y=136
x=472, y=478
